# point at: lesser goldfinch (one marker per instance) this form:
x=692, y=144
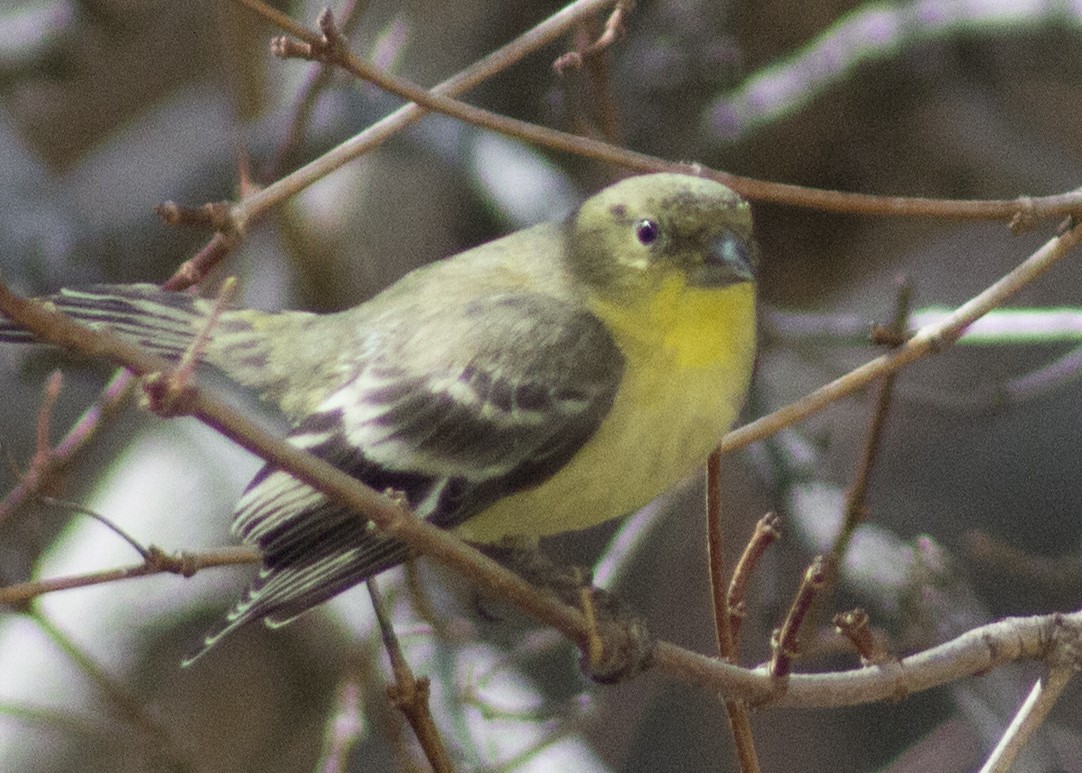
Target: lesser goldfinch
x=547, y=381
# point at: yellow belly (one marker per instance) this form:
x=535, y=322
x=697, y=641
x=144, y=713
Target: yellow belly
x=689, y=359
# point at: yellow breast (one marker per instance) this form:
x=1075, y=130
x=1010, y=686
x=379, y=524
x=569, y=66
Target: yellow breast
x=689, y=355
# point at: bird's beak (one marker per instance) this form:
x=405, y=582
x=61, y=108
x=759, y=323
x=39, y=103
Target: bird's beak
x=729, y=260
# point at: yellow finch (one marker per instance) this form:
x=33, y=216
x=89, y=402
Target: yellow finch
x=546, y=381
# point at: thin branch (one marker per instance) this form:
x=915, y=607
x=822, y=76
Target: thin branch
x=615, y=28
x=409, y=694
x=930, y=339
x=43, y=449
x=977, y=651
x=439, y=99
x=108, y=523
x=715, y=551
x=50, y=326
x=185, y=564
x=77, y=438
x=767, y=531
x=736, y=711
x=308, y=95
x=546, y=32
x=856, y=501
x=194, y=270
x=1025, y=209
x=1030, y=717
x=785, y=642
x=974, y=652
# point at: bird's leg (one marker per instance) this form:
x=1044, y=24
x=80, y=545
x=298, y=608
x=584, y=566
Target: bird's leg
x=619, y=645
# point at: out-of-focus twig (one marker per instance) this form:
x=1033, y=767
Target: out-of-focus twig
x=408, y=693
x=737, y=711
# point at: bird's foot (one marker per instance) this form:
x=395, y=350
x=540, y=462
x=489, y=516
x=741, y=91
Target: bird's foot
x=618, y=645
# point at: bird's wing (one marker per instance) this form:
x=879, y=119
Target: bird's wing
x=452, y=416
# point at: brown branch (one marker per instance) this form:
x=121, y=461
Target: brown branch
x=144, y=553
x=756, y=190
x=76, y=439
x=736, y=711
x=194, y=270
x=856, y=501
x=439, y=99
x=974, y=652
x=185, y=564
x=785, y=642
x=409, y=694
x=615, y=28
x=549, y=30
x=930, y=339
x=715, y=552
x=308, y=94
x=50, y=326
x=767, y=531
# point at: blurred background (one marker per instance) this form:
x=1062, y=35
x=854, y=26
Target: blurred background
x=112, y=106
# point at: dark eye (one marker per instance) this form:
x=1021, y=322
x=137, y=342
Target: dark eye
x=647, y=231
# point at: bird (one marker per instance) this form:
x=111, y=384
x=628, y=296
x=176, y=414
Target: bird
x=544, y=382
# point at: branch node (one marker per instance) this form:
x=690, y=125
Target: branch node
x=1025, y=219
x=214, y=215
x=615, y=29
x=328, y=49
x=166, y=395
x=1064, y=644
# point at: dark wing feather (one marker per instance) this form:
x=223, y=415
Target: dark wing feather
x=541, y=378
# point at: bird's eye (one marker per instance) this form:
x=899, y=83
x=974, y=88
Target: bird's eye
x=647, y=232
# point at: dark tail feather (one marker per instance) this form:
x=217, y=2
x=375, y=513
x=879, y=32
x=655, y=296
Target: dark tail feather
x=162, y=322
x=281, y=594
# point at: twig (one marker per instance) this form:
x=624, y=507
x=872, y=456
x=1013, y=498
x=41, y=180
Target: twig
x=544, y=33
x=855, y=505
x=112, y=526
x=50, y=326
x=167, y=392
x=766, y=532
x=615, y=28
x=42, y=467
x=932, y=338
x=976, y=651
x=185, y=564
x=785, y=642
x=439, y=99
x=74, y=441
x=194, y=270
x=737, y=711
x=715, y=552
x=409, y=694
x=308, y=94
x=1065, y=659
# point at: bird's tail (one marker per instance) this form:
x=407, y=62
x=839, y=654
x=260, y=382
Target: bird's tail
x=164, y=323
